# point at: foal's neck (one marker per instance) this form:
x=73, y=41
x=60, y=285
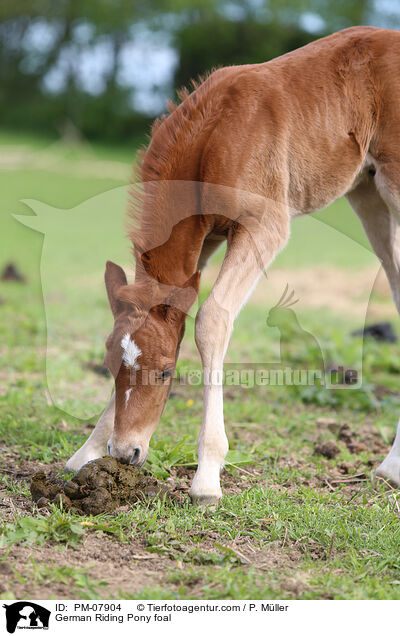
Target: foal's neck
x=172, y=230
x=173, y=262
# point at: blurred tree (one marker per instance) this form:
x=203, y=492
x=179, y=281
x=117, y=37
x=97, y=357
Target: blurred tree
x=233, y=42
x=250, y=31
x=73, y=64
x=334, y=15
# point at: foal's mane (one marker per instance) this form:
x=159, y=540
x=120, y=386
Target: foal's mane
x=172, y=140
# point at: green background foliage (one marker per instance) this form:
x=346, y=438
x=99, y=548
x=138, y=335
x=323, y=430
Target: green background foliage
x=44, y=44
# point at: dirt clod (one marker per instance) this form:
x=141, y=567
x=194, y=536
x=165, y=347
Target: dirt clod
x=99, y=486
x=346, y=468
x=327, y=449
x=348, y=437
x=12, y=273
x=42, y=502
x=5, y=568
x=345, y=434
x=45, y=485
x=330, y=423
x=380, y=331
x=62, y=500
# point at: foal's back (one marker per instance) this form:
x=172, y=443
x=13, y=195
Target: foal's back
x=302, y=124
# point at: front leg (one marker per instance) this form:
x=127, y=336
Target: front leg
x=239, y=273
x=212, y=445
x=96, y=445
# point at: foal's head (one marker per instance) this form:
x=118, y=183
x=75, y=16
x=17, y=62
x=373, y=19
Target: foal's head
x=141, y=354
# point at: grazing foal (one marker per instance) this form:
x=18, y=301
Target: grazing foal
x=252, y=147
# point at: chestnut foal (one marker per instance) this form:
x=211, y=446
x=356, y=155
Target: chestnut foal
x=252, y=147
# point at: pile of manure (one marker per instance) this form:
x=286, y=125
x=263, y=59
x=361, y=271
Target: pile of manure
x=99, y=486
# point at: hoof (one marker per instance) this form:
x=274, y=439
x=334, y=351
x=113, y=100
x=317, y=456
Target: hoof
x=80, y=458
x=389, y=470
x=72, y=466
x=205, y=500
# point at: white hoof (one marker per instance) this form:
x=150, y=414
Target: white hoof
x=205, y=488
x=204, y=500
x=389, y=470
x=82, y=457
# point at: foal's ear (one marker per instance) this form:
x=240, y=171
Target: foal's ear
x=114, y=278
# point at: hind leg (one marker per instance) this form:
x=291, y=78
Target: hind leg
x=96, y=445
x=377, y=203
x=379, y=213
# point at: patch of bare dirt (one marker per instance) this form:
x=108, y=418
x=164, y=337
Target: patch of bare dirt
x=345, y=291
x=248, y=433
x=126, y=567
x=18, y=470
x=130, y=568
x=233, y=482
x=366, y=447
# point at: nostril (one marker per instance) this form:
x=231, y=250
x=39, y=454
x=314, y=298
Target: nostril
x=135, y=456
x=109, y=448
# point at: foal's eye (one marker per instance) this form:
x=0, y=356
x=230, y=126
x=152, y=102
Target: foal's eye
x=166, y=374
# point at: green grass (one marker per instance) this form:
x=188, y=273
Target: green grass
x=286, y=528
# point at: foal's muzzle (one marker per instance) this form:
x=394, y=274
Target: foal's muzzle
x=134, y=460
x=132, y=455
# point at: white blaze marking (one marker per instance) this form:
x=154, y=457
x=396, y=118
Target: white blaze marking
x=127, y=396
x=131, y=352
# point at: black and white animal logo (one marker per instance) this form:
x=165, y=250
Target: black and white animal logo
x=26, y=615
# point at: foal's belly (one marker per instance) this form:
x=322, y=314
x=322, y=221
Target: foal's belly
x=323, y=185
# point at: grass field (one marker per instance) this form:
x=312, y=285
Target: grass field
x=292, y=523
